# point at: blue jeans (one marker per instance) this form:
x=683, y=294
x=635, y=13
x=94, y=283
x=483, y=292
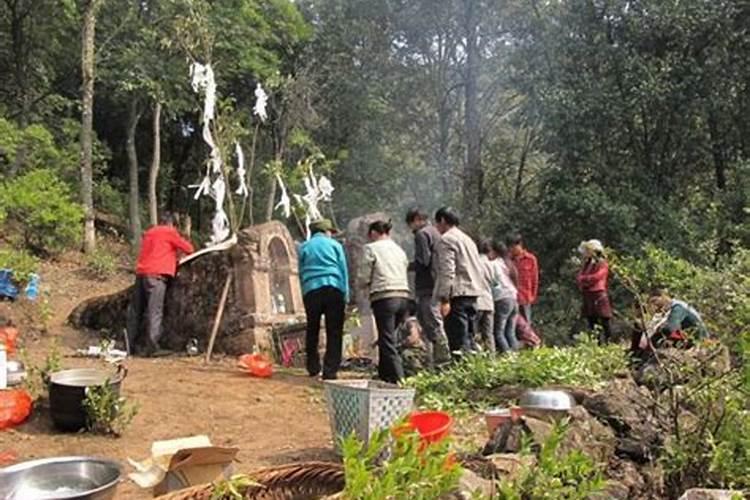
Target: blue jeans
x=526, y=312
x=459, y=324
x=505, y=325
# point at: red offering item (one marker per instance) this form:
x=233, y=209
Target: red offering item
x=432, y=426
x=9, y=336
x=257, y=365
x=7, y=457
x=15, y=407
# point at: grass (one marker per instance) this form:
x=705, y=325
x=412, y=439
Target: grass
x=474, y=383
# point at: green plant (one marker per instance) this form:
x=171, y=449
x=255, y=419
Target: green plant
x=21, y=262
x=40, y=206
x=555, y=474
x=233, y=488
x=413, y=471
x=474, y=382
x=38, y=377
x=106, y=411
x=101, y=264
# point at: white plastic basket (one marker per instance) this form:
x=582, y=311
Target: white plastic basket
x=364, y=406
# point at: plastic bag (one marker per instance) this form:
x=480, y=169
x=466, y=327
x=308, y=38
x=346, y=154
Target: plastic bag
x=15, y=407
x=257, y=365
x=9, y=336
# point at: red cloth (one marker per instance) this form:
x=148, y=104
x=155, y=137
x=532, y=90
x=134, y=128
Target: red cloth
x=528, y=277
x=525, y=333
x=593, y=276
x=596, y=305
x=159, y=251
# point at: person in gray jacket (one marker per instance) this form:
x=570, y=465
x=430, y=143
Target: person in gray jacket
x=383, y=271
x=426, y=237
x=460, y=280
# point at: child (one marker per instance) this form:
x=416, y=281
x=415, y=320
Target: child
x=413, y=350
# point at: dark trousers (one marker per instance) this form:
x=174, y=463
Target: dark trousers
x=329, y=302
x=389, y=314
x=148, y=296
x=459, y=325
x=603, y=329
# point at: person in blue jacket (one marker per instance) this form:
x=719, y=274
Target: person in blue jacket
x=325, y=289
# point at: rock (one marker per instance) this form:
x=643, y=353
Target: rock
x=706, y=494
x=627, y=476
x=671, y=366
x=628, y=410
x=588, y=434
x=508, y=465
x=470, y=484
x=507, y=438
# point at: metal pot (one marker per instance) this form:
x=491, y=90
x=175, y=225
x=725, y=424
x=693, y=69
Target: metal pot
x=62, y=478
x=67, y=391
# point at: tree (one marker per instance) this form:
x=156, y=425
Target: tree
x=89, y=10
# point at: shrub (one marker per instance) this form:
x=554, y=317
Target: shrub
x=22, y=263
x=106, y=411
x=555, y=474
x=473, y=382
x=101, y=264
x=412, y=471
x=39, y=205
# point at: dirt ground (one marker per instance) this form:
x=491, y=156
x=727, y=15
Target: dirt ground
x=272, y=421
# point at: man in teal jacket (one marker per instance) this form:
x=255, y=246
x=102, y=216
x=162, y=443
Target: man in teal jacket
x=325, y=289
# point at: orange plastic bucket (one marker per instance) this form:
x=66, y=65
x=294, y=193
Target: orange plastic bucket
x=432, y=426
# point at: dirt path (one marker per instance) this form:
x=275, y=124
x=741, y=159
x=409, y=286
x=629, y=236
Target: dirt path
x=272, y=421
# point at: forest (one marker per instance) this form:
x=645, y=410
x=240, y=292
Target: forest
x=626, y=121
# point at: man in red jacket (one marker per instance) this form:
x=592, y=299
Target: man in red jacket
x=157, y=263
x=528, y=275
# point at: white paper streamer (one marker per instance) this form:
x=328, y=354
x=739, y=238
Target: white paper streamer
x=202, y=79
x=285, y=203
x=242, y=188
x=260, y=103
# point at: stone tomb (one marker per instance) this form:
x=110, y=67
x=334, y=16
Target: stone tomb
x=265, y=292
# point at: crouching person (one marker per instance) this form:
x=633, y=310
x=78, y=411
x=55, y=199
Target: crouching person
x=415, y=354
x=672, y=321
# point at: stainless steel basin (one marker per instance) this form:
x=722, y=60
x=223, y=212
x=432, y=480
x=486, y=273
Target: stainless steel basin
x=542, y=399
x=61, y=478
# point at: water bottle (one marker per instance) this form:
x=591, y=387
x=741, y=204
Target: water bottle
x=3, y=366
x=32, y=289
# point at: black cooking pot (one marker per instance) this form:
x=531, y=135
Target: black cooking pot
x=67, y=391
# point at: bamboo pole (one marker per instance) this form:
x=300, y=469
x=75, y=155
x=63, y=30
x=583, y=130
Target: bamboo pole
x=219, y=314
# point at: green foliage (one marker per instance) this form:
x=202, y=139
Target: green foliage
x=40, y=207
x=106, y=411
x=721, y=293
x=38, y=377
x=232, y=488
x=474, y=382
x=101, y=264
x=412, y=472
x=21, y=262
x=556, y=475
x=715, y=448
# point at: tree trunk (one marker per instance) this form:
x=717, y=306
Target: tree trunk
x=89, y=8
x=473, y=170
x=271, y=199
x=153, y=174
x=134, y=209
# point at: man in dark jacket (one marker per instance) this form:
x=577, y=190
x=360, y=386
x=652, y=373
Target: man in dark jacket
x=426, y=237
x=161, y=247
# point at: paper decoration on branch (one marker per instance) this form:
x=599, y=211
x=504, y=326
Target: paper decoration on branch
x=261, y=99
x=318, y=190
x=213, y=183
x=242, y=188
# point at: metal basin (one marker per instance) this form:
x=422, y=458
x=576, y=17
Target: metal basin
x=547, y=400
x=62, y=478
x=67, y=391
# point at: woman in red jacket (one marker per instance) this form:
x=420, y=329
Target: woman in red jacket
x=592, y=281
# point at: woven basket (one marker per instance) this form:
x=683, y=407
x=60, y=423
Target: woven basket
x=364, y=406
x=302, y=481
